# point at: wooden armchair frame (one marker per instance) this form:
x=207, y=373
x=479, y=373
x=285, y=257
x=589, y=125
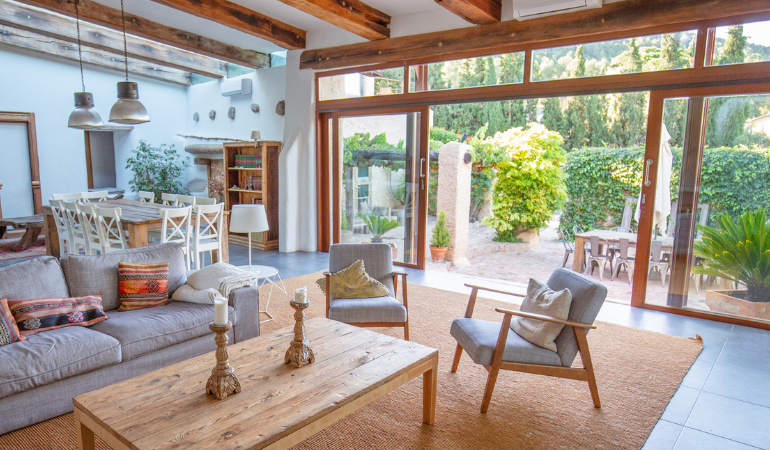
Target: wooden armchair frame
x=405, y=302
x=585, y=373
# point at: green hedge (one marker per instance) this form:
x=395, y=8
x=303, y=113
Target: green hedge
x=733, y=180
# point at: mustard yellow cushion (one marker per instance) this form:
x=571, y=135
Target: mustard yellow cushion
x=354, y=282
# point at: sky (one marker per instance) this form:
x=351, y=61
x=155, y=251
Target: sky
x=758, y=33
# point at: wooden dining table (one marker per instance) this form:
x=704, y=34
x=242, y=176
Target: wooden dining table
x=137, y=218
x=612, y=237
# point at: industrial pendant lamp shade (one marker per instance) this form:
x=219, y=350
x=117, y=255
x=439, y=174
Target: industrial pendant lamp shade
x=84, y=116
x=128, y=109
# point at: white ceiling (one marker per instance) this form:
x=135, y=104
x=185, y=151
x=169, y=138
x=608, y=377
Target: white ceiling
x=408, y=17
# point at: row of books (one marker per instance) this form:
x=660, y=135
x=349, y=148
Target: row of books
x=248, y=161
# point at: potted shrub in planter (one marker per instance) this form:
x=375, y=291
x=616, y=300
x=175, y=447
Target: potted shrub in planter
x=377, y=225
x=738, y=252
x=440, y=241
x=394, y=250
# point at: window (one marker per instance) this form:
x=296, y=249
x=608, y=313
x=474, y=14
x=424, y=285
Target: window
x=742, y=44
x=472, y=72
x=362, y=84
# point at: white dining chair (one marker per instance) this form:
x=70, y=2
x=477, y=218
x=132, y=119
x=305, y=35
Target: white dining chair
x=176, y=228
x=89, y=224
x=168, y=199
x=59, y=217
x=72, y=215
x=185, y=200
x=205, y=201
x=207, y=233
x=113, y=236
x=67, y=197
x=146, y=197
x=96, y=196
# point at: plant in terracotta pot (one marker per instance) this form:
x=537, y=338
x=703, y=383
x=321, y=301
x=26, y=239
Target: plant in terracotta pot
x=738, y=252
x=377, y=225
x=440, y=241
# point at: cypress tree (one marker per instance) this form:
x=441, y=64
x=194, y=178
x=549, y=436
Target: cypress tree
x=674, y=111
x=436, y=81
x=575, y=118
x=553, y=119
x=492, y=112
x=629, y=127
x=727, y=116
x=531, y=110
x=597, y=118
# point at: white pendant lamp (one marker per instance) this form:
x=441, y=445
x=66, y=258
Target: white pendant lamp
x=128, y=109
x=84, y=116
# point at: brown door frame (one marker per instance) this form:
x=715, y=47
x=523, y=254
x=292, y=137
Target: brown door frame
x=329, y=233
x=34, y=165
x=652, y=147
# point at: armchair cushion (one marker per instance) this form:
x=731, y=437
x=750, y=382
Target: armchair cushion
x=479, y=337
x=377, y=259
x=354, y=282
x=543, y=300
x=362, y=310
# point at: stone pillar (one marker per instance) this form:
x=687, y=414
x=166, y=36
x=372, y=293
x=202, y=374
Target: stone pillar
x=454, y=198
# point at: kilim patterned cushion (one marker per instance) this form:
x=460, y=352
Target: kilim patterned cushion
x=9, y=332
x=142, y=285
x=33, y=316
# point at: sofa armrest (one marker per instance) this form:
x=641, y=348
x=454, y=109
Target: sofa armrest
x=246, y=303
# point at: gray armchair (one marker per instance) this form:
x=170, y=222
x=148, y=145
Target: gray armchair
x=496, y=347
x=368, y=312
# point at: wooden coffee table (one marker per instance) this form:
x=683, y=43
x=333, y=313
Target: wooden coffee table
x=278, y=406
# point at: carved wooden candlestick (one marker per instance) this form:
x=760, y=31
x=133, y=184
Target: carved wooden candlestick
x=299, y=354
x=222, y=381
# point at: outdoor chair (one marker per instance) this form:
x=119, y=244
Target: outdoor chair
x=600, y=254
x=624, y=260
x=657, y=262
x=368, y=312
x=496, y=347
x=586, y=245
x=569, y=246
x=146, y=196
x=628, y=214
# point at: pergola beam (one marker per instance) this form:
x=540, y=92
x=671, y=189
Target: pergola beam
x=351, y=15
x=99, y=14
x=613, y=21
x=242, y=19
x=58, y=26
x=59, y=48
x=479, y=12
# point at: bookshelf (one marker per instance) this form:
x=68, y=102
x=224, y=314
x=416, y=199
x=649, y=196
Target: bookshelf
x=246, y=185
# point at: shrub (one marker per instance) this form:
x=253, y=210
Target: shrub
x=529, y=187
x=157, y=169
x=378, y=226
x=481, y=188
x=441, y=238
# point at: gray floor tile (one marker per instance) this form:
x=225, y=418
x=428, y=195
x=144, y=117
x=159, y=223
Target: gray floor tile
x=691, y=439
x=714, y=334
x=747, y=349
x=698, y=374
x=625, y=315
x=741, y=384
x=663, y=436
x=678, y=409
x=731, y=419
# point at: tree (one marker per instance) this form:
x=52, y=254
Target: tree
x=553, y=118
x=674, y=111
x=437, y=81
x=629, y=126
x=575, y=119
x=531, y=110
x=492, y=112
x=512, y=71
x=671, y=54
x=597, y=119
x=727, y=116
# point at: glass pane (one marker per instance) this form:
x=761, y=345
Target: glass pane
x=742, y=44
x=472, y=72
x=643, y=54
x=362, y=84
x=380, y=181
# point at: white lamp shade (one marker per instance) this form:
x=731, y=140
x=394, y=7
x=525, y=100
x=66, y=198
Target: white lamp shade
x=256, y=135
x=248, y=219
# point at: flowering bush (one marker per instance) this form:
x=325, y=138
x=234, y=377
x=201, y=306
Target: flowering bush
x=529, y=182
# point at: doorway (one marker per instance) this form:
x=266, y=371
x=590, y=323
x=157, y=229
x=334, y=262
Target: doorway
x=20, y=171
x=100, y=159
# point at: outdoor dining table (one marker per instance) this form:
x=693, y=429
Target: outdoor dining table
x=613, y=237
x=137, y=218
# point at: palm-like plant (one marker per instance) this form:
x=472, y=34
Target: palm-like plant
x=739, y=252
x=377, y=225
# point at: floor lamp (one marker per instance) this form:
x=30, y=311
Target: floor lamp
x=248, y=218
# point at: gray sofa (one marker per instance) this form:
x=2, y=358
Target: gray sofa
x=40, y=376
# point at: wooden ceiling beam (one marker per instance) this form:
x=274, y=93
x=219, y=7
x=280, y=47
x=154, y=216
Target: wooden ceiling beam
x=35, y=42
x=351, y=15
x=479, y=12
x=99, y=14
x=243, y=19
x=54, y=25
x=613, y=21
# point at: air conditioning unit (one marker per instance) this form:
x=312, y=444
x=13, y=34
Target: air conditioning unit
x=530, y=9
x=238, y=86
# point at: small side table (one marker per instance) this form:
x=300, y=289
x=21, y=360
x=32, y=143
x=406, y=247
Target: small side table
x=270, y=275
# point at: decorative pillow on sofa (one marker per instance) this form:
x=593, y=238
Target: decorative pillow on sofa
x=354, y=282
x=9, y=332
x=542, y=300
x=142, y=285
x=33, y=316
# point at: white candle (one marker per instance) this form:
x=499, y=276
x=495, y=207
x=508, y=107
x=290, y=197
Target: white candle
x=300, y=295
x=220, y=312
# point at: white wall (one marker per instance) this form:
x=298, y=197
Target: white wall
x=45, y=86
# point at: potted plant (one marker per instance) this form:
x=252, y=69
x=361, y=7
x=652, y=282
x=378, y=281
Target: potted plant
x=377, y=225
x=394, y=250
x=439, y=242
x=740, y=253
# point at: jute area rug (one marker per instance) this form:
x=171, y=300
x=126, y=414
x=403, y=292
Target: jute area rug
x=637, y=372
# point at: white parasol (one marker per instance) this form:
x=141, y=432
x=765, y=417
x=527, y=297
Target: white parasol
x=663, y=188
